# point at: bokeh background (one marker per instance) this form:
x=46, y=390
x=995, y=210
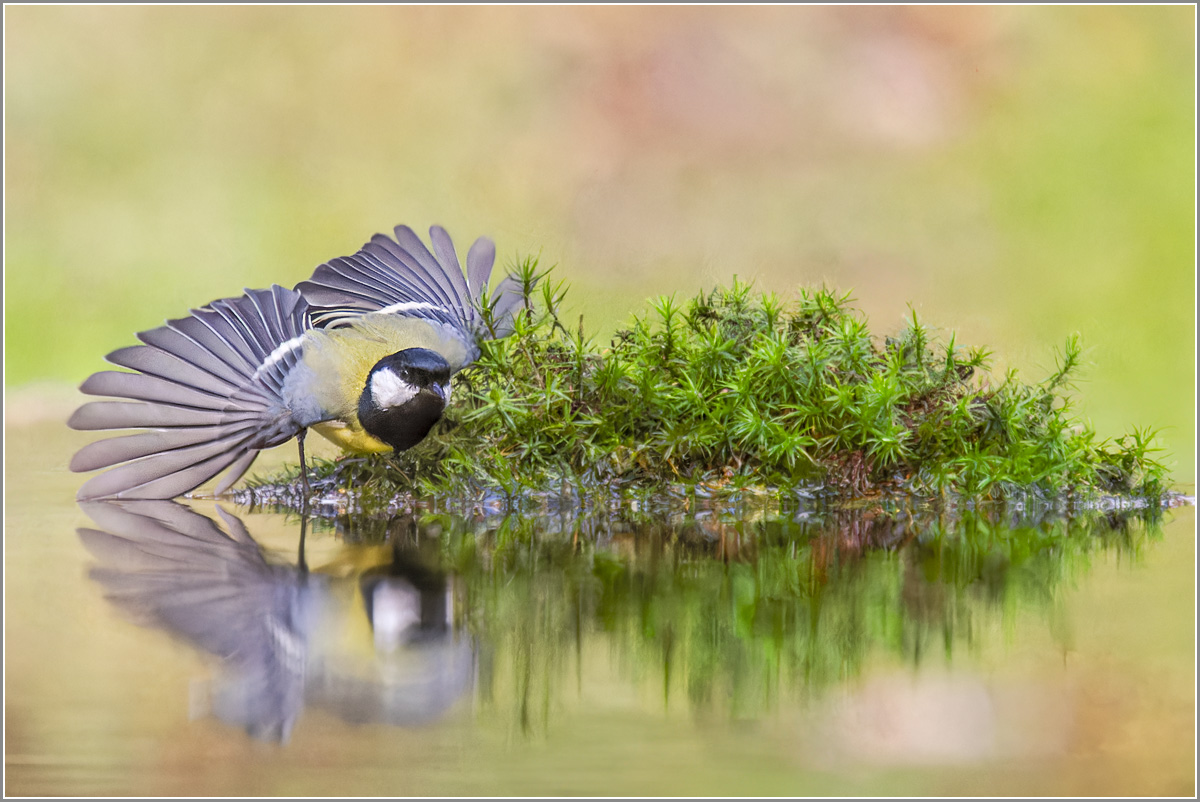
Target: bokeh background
x=1013, y=174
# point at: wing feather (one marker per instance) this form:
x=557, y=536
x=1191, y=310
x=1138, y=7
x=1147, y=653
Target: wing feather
x=167, y=474
x=101, y=415
x=480, y=259
x=144, y=387
x=104, y=453
x=210, y=386
x=443, y=247
x=402, y=276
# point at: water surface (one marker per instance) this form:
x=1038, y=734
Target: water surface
x=184, y=649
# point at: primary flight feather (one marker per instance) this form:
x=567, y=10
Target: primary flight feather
x=362, y=352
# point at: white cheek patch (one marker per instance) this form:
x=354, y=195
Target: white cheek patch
x=446, y=392
x=389, y=390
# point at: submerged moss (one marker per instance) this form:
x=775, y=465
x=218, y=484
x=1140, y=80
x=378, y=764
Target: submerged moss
x=735, y=390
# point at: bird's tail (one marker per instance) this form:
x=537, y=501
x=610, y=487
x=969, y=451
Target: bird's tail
x=209, y=389
x=401, y=276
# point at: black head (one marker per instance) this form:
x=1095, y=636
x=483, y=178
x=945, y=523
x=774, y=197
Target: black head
x=404, y=396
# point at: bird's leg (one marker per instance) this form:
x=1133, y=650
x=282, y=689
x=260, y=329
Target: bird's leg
x=307, y=499
x=304, y=471
x=303, y=529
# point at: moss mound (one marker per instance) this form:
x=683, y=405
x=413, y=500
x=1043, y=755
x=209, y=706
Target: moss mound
x=735, y=390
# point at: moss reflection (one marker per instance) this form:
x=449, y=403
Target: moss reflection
x=721, y=614
x=735, y=614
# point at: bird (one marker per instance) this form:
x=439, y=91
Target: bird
x=361, y=352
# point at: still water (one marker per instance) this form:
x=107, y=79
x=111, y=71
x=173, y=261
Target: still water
x=192, y=648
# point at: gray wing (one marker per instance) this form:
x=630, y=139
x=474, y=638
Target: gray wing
x=403, y=277
x=210, y=393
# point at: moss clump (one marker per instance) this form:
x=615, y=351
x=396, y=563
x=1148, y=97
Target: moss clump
x=736, y=389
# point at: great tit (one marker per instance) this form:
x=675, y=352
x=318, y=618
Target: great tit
x=362, y=352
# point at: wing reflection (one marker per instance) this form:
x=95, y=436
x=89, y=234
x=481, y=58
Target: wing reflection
x=282, y=632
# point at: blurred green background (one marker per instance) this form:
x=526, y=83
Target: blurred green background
x=1016, y=174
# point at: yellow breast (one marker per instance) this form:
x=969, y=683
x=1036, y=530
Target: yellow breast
x=351, y=438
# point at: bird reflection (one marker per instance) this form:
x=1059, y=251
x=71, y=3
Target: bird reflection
x=282, y=631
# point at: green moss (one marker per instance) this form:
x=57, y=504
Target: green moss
x=736, y=390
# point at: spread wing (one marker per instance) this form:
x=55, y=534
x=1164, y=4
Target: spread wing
x=402, y=276
x=209, y=392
